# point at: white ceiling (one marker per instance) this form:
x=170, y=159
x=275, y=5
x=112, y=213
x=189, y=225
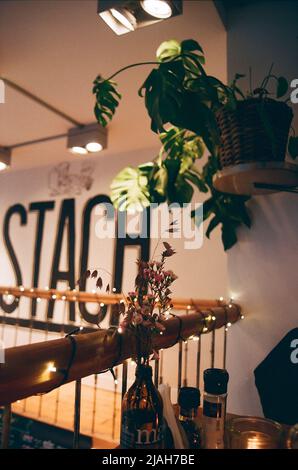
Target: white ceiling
x=56, y=48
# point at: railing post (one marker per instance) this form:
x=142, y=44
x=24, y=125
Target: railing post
x=179, y=364
x=212, y=351
x=198, y=362
x=124, y=378
x=185, y=363
x=161, y=367
x=77, y=414
x=156, y=373
x=6, y=418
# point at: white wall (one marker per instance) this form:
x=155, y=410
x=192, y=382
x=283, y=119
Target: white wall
x=262, y=267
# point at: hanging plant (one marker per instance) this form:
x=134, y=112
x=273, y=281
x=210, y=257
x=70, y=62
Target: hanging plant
x=179, y=92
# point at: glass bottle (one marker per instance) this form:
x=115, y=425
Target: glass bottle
x=142, y=413
x=214, y=407
x=189, y=401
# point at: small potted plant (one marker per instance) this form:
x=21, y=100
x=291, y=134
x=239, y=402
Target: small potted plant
x=257, y=127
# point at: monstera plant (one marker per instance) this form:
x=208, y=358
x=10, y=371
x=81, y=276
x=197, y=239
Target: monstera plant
x=182, y=101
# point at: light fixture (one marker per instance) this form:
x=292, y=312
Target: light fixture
x=5, y=158
x=87, y=139
x=157, y=8
x=124, y=16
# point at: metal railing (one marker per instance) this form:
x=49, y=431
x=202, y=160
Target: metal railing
x=39, y=368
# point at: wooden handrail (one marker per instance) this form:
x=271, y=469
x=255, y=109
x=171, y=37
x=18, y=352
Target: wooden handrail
x=107, y=299
x=38, y=368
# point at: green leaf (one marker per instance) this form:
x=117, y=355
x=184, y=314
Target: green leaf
x=194, y=178
x=162, y=94
x=182, y=192
x=293, y=147
x=107, y=100
x=130, y=188
x=189, y=45
x=282, y=87
x=160, y=181
x=208, y=207
x=213, y=223
x=167, y=50
x=228, y=235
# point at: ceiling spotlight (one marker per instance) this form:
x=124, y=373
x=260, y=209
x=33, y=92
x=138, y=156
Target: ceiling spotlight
x=91, y=138
x=157, y=8
x=5, y=158
x=123, y=16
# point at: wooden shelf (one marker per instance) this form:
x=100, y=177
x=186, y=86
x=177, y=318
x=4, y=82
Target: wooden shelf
x=241, y=179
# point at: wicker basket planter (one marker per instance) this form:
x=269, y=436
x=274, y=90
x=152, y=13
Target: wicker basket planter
x=244, y=136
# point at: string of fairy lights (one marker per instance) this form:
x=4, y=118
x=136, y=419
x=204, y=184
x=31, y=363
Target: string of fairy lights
x=208, y=320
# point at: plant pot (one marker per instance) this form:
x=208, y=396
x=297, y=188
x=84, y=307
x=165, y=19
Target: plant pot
x=257, y=130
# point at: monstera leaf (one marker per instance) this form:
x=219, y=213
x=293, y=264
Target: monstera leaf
x=130, y=189
x=107, y=100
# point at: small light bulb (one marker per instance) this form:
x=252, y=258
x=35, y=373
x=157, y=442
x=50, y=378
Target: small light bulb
x=230, y=305
x=114, y=289
x=52, y=368
x=161, y=333
x=116, y=382
x=94, y=147
x=213, y=318
x=221, y=299
x=196, y=338
x=226, y=328
x=38, y=300
x=242, y=317
x=46, y=287
x=102, y=304
x=54, y=296
x=81, y=328
x=120, y=329
x=3, y=166
x=188, y=307
x=78, y=150
x=157, y=8
x=229, y=324
x=63, y=297
x=205, y=329
x=22, y=288
x=31, y=290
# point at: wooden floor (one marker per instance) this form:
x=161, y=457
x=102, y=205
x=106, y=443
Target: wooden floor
x=100, y=412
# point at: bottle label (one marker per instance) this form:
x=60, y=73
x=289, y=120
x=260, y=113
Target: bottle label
x=137, y=437
x=212, y=410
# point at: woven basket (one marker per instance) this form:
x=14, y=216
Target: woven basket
x=244, y=136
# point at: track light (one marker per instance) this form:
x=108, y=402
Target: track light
x=87, y=139
x=123, y=16
x=5, y=158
